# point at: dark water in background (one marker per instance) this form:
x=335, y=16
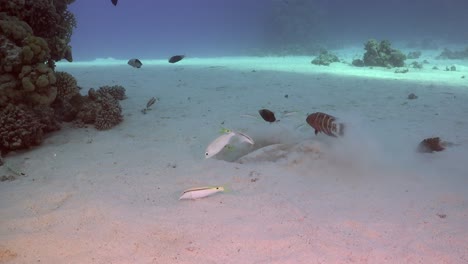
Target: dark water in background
x=201, y=28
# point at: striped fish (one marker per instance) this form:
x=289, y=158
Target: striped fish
x=325, y=123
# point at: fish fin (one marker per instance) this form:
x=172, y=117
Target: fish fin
x=341, y=129
x=316, y=131
x=224, y=130
x=245, y=138
x=299, y=126
x=226, y=188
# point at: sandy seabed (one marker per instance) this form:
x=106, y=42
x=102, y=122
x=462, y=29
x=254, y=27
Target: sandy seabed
x=112, y=196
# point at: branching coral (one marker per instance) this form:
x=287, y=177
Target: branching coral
x=19, y=128
x=116, y=91
x=22, y=127
x=110, y=113
x=102, y=107
x=67, y=86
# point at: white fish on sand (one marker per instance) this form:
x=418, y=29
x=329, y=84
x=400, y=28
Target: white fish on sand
x=220, y=142
x=200, y=192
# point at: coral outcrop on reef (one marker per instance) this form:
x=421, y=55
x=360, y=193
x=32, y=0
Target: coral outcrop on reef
x=325, y=58
x=381, y=54
x=33, y=35
x=34, y=98
x=23, y=127
x=101, y=107
x=453, y=55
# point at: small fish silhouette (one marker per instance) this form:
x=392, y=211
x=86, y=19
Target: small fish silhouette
x=136, y=63
x=176, y=58
x=325, y=123
x=267, y=115
x=150, y=102
x=114, y=2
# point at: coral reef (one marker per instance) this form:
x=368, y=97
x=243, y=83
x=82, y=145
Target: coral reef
x=116, y=91
x=414, y=55
x=24, y=76
x=382, y=54
x=358, y=63
x=22, y=127
x=34, y=98
x=101, y=107
x=67, y=86
x=325, y=58
x=33, y=35
x=49, y=20
x=453, y=55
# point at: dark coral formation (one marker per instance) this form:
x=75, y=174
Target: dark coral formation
x=414, y=55
x=33, y=35
x=325, y=58
x=67, y=86
x=22, y=127
x=116, y=91
x=453, y=55
x=34, y=99
x=24, y=76
x=49, y=20
x=101, y=107
x=382, y=54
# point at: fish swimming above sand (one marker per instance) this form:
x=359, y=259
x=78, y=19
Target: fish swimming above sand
x=325, y=123
x=114, y=2
x=267, y=115
x=200, y=192
x=176, y=58
x=136, y=63
x=220, y=142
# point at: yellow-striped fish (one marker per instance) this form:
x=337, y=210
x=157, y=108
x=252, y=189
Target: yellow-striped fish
x=200, y=192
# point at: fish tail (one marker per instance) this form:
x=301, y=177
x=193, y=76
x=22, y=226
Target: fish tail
x=226, y=188
x=341, y=129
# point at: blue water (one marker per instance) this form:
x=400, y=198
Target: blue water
x=207, y=28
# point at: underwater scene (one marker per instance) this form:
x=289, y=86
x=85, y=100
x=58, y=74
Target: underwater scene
x=233, y=131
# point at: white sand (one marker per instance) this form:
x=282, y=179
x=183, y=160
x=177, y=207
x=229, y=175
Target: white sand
x=112, y=196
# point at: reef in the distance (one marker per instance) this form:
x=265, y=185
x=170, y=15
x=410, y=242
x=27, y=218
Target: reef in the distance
x=380, y=54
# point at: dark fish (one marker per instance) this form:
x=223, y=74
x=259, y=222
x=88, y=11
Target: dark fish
x=325, y=123
x=429, y=145
x=267, y=115
x=114, y=2
x=135, y=63
x=176, y=58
